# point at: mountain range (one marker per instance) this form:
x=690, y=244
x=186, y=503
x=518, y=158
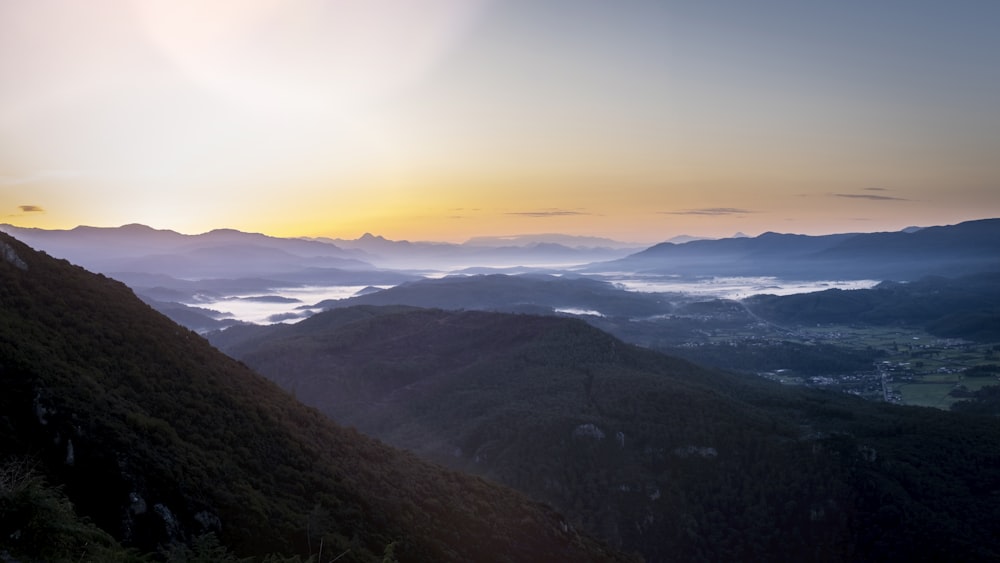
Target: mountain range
x=218, y=253
x=225, y=253
x=965, y=248
x=122, y=433
x=194, y=278
x=522, y=250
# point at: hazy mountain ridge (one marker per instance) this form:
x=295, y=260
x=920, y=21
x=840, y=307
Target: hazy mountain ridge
x=536, y=293
x=209, y=266
x=217, y=253
x=966, y=307
x=572, y=241
x=964, y=248
x=520, y=250
x=157, y=437
x=202, y=271
x=647, y=451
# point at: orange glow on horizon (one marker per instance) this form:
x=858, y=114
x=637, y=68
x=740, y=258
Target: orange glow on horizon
x=462, y=118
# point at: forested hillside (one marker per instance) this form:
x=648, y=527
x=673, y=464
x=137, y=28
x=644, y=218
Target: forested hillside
x=965, y=307
x=649, y=452
x=526, y=293
x=121, y=430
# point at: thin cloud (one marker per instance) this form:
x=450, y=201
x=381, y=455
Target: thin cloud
x=876, y=189
x=871, y=197
x=31, y=209
x=40, y=177
x=713, y=211
x=548, y=213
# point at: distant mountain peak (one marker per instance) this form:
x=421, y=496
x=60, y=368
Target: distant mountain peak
x=569, y=241
x=136, y=227
x=683, y=239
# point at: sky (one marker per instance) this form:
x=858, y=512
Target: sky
x=637, y=120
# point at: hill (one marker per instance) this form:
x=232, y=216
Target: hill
x=140, y=434
x=538, y=293
x=952, y=250
x=965, y=307
x=649, y=452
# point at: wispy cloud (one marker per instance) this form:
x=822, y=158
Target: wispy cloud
x=871, y=197
x=709, y=211
x=40, y=177
x=461, y=212
x=875, y=189
x=548, y=213
x=25, y=210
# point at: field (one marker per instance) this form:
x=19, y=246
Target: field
x=916, y=368
x=920, y=369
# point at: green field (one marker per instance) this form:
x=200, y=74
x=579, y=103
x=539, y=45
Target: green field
x=924, y=369
x=927, y=394
x=920, y=368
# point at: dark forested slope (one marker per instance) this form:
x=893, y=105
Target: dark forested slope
x=158, y=439
x=650, y=452
x=963, y=307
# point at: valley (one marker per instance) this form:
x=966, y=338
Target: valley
x=479, y=281
x=643, y=450
x=676, y=424
x=900, y=365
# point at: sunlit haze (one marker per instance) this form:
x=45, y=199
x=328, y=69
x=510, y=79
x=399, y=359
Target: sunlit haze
x=449, y=119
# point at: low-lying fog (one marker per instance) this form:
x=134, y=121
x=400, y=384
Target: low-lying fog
x=734, y=288
x=287, y=304
x=292, y=304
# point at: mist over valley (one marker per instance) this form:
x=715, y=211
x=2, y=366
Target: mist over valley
x=696, y=409
x=757, y=305
x=469, y=281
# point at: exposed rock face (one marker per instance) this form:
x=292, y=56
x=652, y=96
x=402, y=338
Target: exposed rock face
x=11, y=257
x=588, y=431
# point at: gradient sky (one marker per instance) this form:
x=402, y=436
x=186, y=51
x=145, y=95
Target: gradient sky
x=446, y=119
